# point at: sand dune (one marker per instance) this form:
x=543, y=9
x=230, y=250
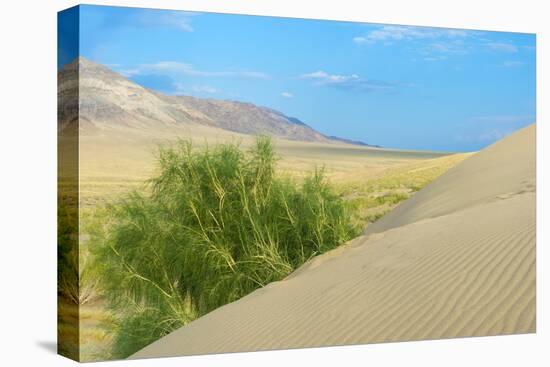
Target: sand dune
x=458, y=259
x=505, y=168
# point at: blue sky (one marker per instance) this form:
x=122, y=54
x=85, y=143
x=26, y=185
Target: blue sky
x=396, y=86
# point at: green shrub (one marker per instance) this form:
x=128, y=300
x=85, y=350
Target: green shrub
x=67, y=253
x=216, y=225
x=76, y=282
x=392, y=198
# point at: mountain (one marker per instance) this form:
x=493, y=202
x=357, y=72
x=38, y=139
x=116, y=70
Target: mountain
x=247, y=118
x=354, y=142
x=107, y=100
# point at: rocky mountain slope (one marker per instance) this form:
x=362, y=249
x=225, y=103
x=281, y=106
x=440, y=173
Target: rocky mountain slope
x=107, y=100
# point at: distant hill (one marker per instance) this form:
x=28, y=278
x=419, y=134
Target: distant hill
x=107, y=100
x=354, y=142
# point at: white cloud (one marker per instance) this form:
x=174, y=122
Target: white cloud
x=389, y=33
x=176, y=68
x=441, y=49
x=324, y=77
x=449, y=47
x=287, y=95
x=503, y=47
x=438, y=40
x=512, y=64
x=205, y=89
x=360, y=40
x=180, y=20
x=435, y=58
x=182, y=88
x=503, y=119
x=315, y=75
x=494, y=135
x=487, y=136
x=347, y=82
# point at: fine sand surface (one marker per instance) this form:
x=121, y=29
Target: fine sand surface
x=457, y=259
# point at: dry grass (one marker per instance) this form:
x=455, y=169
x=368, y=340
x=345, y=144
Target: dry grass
x=376, y=194
x=112, y=165
x=82, y=331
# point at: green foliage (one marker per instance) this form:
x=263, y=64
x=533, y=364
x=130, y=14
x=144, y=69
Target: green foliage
x=373, y=197
x=76, y=282
x=217, y=224
x=371, y=218
x=67, y=253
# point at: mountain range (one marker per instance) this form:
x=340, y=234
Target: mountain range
x=103, y=100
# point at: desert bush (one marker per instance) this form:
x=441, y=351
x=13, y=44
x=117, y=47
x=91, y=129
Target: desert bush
x=215, y=225
x=76, y=282
x=67, y=253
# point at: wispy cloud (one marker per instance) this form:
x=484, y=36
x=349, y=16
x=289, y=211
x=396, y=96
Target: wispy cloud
x=287, y=95
x=487, y=136
x=502, y=47
x=360, y=40
x=180, y=20
x=176, y=68
x=443, y=49
x=494, y=135
x=205, y=89
x=390, y=33
x=490, y=128
x=437, y=42
x=503, y=119
x=325, y=78
x=348, y=82
x=513, y=64
x=182, y=88
x=435, y=58
x=456, y=47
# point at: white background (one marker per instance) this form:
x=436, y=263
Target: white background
x=28, y=182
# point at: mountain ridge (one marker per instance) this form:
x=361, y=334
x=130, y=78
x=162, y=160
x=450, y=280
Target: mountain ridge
x=102, y=99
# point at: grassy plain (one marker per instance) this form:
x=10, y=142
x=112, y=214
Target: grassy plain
x=114, y=164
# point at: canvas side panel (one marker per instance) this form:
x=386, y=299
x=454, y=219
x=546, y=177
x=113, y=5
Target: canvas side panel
x=68, y=293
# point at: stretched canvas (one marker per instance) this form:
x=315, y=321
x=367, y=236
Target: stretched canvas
x=235, y=183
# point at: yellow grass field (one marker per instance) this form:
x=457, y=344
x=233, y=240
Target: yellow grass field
x=117, y=163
